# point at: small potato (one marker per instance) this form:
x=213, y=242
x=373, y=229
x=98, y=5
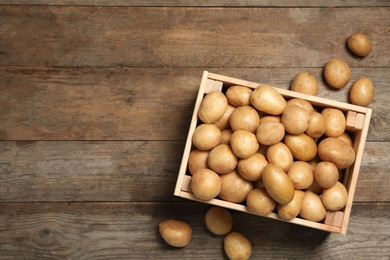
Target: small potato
x=239, y=96
x=292, y=209
x=302, y=146
x=280, y=155
x=335, y=121
x=219, y=220
x=237, y=246
x=212, y=107
x=206, y=137
x=359, y=44
x=266, y=99
x=337, y=152
x=226, y=134
x=234, y=187
x=205, y=184
x=175, y=232
x=244, y=144
x=244, y=118
x=335, y=197
x=223, y=123
x=252, y=167
x=278, y=185
x=362, y=92
x=197, y=160
x=312, y=207
x=305, y=83
x=295, y=119
x=270, y=132
x=221, y=159
x=337, y=73
x=317, y=125
x=326, y=174
x=301, y=174
x=260, y=202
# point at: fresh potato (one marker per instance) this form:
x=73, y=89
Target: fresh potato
x=270, y=132
x=239, y=95
x=335, y=121
x=175, y=232
x=197, y=160
x=292, y=209
x=301, y=174
x=305, y=83
x=266, y=99
x=362, y=92
x=280, y=155
x=260, y=202
x=302, y=103
x=206, y=137
x=317, y=125
x=221, y=159
x=252, y=167
x=312, y=207
x=244, y=144
x=326, y=174
x=337, y=152
x=359, y=44
x=302, y=146
x=219, y=220
x=269, y=118
x=295, y=119
x=244, y=118
x=278, y=185
x=223, y=123
x=205, y=184
x=237, y=246
x=226, y=134
x=212, y=107
x=337, y=73
x=335, y=197
x=346, y=138
x=234, y=187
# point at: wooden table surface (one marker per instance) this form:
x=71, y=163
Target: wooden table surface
x=96, y=99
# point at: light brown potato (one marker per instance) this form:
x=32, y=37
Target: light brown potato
x=226, y=134
x=335, y=197
x=295, y=119
x=362, y=92
x=301, y=174
x=212, y=107
x=346, y=138
x=278, y=185
x=176, y=233
x=197, y=160
x=305, y=83
x=337, y=152
x=312, y=207
x=317, y=125
x=266, y=99
x=234, y=187
x=223, y=123
x=205, y=184
x=260, y=202
x=269, y=118
x=252, y=167
x=244, y=144
x=206, y=137
x=326, y=174
x=359, y=44
x=270, y=132
x=292, y=209
x=221, y=159
x=218, y=220
x=302, y=146
x=280, y=155
x=337, y=73
x=302, y=103
x=239, y=95
x=237, y=246
x=244, y=118
x=335, y=121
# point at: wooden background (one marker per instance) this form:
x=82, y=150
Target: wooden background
x=96, y=99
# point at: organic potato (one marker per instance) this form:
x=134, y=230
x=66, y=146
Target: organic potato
x=237, y=246
x=205, y=184
x=244, y=118
x=223, y=123
x=302, y=146
x=337, y=152
x=244, y=144
x=197, y=160
x=175, y=232
x=335, y=197
x=326, y=174
x=359, y=44
x=278, y=185
x=301, y=174
x=212, y=107
x=302, y=103
x=362, y=92
x=266, y=99
x=239, y=95
x=335, y=121
x=270, y=132
x=312, y=207
x=219, y=220
x=206, y=137
x=292, y=209
x=221, y=159
x=337, y=73
x=295, y=119
x=234, y=187
x=252, y=167
x=305, y=83
x=260, y=202
x=317, y=125
x=280, y=155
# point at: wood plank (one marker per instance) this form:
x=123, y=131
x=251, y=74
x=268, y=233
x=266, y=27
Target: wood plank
x=130, y=230
x=129, y=171
x=138, y=103
x=144, y=36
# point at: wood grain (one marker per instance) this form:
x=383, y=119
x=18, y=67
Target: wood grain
x=145, y=36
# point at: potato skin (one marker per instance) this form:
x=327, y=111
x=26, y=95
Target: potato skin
x=336, y=151
x=362, y=92
x=337, y=73
x=175, y=232
x=213, y=107
x=237, y=246
x=218, y=220
x=305, y=83
x=266, y=99
x=278, y=185
x=359, y=44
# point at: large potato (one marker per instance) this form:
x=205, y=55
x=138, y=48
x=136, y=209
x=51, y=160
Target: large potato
x=212, y=107
x=266, y=99
x=337, y=152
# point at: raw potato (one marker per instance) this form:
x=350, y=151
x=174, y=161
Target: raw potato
x=302, y=146
x=301, y=174
x=239, y=96
x=335, y=121
x=225, y=136
x=234, y=187
x=362, y=92
x=295, y=119
x=244, y=118
x=206, y=137
x=280, y=155
x=222, y=159
x=335, y=197
x=252, y=167
x=260, y=202
x=197, y=160
x=213, y=106
x=302, y=103
x=219, y=220
x=206, y=184
x=336, y=151
x=326, y=174
x=278, y=185
x=317, y=125
x=312, y=207
x=269, y=118
x=223, y=123
x=266, y=99
x=270, y=132
x=359, y=44
x=346, y=138
x=237, y=246
x=244, y=144
x=337, y=73
x=175, y=232
x=292, y=209
x=305, y=83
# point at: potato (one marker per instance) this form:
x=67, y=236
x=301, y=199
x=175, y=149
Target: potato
x=269, y=118
x=359, y=44
x=206, y=137
x=278, y=185
x=295, y=119
x=346, y=138
x=260, y=202
x=205, y=184
x=221, y=159
x=302, y=103
x=218, y=220
x=175, y=232
x=362, y=92
x=317, y=125
x=197, y=160
x=244, y=118
x=239, y=95
x=335, y=121
x=292, y=209
x=280, y=155
x=212, y=107
x=223, y=123
x=234, y=187
x=226, y=134
x=335, y=197
x=305, y=83
x=302, y=146
x=301, y=174
x=337, y=152
x=252, y=167
x=315, y=188
x=312, y=207
x=244, y=144
x=270, y=132
x=326, y=174
x=237, y=246
x=337, y=73
x=266, y=99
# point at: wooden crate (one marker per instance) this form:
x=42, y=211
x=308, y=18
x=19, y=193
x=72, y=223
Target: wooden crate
x=358, y=120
